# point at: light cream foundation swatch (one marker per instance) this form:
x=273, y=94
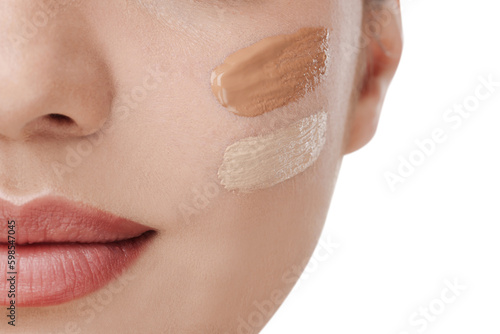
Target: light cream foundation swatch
x=271, y=73
x=264, y=161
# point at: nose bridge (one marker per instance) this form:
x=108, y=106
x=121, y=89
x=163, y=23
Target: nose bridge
x=53, y=78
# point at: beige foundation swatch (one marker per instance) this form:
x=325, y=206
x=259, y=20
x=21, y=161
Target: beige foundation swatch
x=264, y=161
x=271, y=73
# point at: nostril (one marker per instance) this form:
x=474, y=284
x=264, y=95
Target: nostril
x=60, y=119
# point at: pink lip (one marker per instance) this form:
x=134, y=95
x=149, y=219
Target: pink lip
x=65, y=250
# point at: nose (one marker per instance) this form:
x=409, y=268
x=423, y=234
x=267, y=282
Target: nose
x=54, y=80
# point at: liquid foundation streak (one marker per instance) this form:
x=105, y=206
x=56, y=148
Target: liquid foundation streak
x=271, y=73
x=264, y=161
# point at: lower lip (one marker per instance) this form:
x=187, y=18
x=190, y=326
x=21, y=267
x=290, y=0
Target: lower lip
x=54, y=273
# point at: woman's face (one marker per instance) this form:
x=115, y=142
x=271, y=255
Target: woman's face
x=110, y=103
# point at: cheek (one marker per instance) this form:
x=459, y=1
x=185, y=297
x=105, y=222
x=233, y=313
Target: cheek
x=176, y=138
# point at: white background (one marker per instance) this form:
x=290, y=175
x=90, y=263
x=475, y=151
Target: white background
x=397, y=248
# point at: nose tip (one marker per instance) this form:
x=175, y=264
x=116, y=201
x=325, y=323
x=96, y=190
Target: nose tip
x=72, y=99
x=57, y=84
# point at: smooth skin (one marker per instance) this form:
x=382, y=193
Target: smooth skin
x=109, y=103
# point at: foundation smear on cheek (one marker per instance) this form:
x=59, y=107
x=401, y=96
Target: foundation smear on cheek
x=271, y=73
x=264, y=161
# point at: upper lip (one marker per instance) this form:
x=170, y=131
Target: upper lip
x=58, y=220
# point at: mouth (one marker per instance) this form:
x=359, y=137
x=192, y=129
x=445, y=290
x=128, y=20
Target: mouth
x=55, y=251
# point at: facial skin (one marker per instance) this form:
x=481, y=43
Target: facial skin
x=132, y=79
